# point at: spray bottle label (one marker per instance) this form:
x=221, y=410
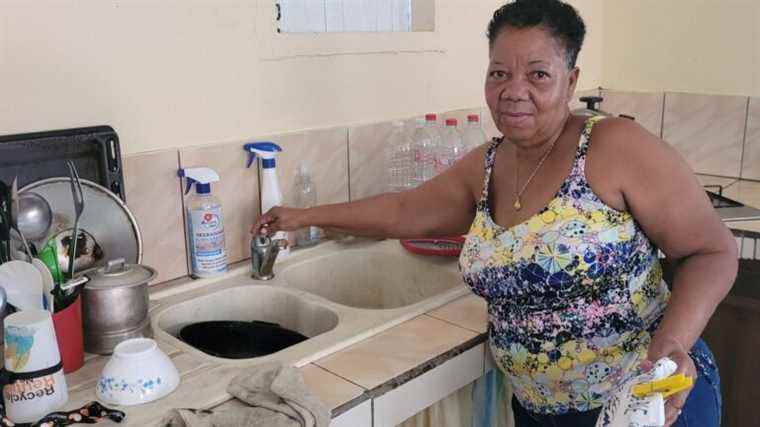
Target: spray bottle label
x=208, y=256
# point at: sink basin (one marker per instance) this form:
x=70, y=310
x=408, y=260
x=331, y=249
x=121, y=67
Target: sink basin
x=335, y=294
x=373, y=279
x=250, y=302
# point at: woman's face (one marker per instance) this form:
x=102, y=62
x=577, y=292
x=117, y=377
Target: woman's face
x=528, y=85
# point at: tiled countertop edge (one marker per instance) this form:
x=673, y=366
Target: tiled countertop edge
x=408, y=375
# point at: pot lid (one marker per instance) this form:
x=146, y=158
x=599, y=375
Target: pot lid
x=117, y=273
x=592, y=107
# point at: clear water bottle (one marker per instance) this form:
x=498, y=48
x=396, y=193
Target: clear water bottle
x=473, y=134
x=424, y=147
x=305, y=196
x=451, y=147
x=399, y=159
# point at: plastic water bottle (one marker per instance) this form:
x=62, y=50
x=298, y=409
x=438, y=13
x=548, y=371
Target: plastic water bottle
x=399, y=159
x=305, y=196
x=424, y=153
x=451, y=147
x=473, y=134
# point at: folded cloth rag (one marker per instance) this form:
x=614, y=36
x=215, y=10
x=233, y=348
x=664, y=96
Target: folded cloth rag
x=624, y=409
x=276, y=396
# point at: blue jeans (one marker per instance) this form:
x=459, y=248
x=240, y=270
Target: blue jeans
x=702, y=406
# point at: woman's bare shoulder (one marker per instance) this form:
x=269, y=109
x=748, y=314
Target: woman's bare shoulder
x=619, y=133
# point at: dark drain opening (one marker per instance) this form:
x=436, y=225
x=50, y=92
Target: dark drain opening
x=239, y=340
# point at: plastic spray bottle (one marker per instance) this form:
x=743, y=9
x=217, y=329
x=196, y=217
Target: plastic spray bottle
x=204, y=223
x=271, y=195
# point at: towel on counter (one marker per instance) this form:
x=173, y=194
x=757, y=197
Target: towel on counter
x=275, y=395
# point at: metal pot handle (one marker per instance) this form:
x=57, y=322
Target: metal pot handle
x=115, y=266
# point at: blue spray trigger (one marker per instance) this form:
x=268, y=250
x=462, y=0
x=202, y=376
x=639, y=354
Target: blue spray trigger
x=190, y=183
x=262, y=146
x=267, y=150
x=201, y=176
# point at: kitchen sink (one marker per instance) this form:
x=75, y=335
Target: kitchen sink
x=248, y=303
x=373, y=279
x=335, y=294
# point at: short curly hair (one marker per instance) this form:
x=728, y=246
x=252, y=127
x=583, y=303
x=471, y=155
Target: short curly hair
x=561, y=19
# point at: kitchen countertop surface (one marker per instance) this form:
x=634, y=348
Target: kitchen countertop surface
x=741, y=190
x=342, y=380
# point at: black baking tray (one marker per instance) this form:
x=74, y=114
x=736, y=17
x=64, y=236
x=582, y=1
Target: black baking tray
x=40, y=155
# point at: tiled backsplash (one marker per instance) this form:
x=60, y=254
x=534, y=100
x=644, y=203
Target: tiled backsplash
x=154, y=197
x=708, y=130
x=645, y=108
x=751, y=157
x=237, y=190
x=347, y=164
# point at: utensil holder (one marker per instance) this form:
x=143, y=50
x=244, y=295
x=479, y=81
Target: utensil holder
x=68, y=330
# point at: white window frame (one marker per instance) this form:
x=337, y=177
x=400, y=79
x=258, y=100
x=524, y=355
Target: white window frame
x=338, y=16
x=278, y=46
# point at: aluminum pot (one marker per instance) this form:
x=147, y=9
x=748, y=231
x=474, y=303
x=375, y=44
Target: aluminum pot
x=115, y=305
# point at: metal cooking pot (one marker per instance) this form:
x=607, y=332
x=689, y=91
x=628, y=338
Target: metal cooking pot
x=115, y=305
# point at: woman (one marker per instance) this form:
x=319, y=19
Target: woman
x=563, y=234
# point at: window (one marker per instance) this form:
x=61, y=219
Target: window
x=342, y=16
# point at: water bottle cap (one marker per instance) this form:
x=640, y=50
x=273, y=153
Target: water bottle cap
x=451, y=122
x=473, y=118
x=431, y=117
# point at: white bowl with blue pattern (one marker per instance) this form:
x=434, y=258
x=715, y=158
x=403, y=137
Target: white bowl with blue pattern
x=138, y=372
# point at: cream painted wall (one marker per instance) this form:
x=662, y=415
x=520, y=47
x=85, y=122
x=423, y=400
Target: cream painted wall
x=174, y=73
x=590, y=61
x=698, y=46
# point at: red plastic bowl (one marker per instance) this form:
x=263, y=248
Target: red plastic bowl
x=445, y=246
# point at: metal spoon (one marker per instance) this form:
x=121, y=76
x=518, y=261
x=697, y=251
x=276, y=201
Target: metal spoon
x=35, y=215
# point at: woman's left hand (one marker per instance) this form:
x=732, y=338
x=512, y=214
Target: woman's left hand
x=673, y=349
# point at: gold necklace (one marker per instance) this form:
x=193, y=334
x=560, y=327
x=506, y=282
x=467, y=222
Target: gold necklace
x=519, y=193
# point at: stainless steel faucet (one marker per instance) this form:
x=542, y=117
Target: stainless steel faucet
x=264, y=252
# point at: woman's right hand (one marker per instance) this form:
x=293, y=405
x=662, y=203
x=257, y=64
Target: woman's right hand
x=279, y=219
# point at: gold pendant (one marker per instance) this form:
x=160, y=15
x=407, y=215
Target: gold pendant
x=517, y=204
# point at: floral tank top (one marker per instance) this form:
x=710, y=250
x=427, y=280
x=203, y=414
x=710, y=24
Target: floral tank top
x=573, y=293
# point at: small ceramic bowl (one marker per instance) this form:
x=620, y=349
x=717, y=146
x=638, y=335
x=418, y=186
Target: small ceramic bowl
x=137, y=372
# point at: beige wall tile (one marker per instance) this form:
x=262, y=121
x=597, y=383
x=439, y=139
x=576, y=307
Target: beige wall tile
x=382, y=357
x=747, y=192
x=154, y=197
x=324, y=151
x=708, y=130
x=237, y=190
x=331, y=389
x=646, y=108
x=366, y=148
x=751, y=159
x=470, y=312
